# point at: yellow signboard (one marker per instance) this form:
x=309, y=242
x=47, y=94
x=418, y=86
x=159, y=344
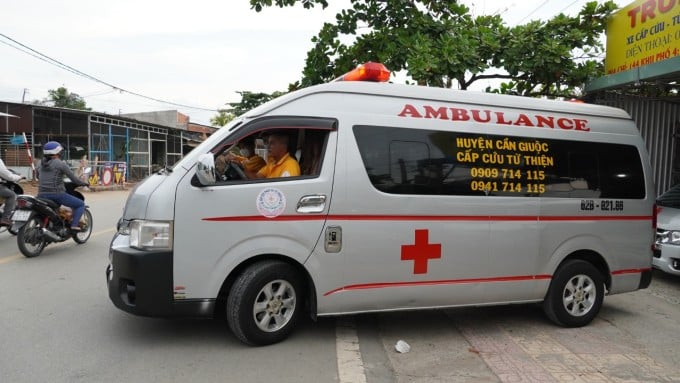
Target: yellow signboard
x=642, y=33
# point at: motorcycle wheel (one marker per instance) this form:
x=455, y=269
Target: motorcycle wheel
x=30, y=239
x=2, y=210
x=84, y=235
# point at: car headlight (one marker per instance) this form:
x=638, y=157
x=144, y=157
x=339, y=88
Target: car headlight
x=669, y=237
x=149, y=235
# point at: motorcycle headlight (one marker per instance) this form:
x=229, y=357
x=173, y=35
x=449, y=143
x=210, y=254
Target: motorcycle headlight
x=150, y=235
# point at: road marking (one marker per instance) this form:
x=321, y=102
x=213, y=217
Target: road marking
x=17, y=256
x=9, y=259
x=350, y=364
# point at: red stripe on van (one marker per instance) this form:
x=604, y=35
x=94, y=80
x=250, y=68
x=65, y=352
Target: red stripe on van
x=382, y=285
x=631, y=271
x=357, y=217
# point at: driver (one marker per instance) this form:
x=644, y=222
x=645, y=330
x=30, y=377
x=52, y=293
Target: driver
x=51, y=174
x=279, y=162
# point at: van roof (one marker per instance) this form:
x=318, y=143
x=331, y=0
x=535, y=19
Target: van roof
x=416, y=92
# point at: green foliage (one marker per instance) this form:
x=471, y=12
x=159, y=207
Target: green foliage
x=249, y=100
x=222, y=118
x=257, y=5
x=62, y=98
x=438, y=43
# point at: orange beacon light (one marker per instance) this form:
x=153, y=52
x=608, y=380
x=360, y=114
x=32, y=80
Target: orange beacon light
x=369, y=71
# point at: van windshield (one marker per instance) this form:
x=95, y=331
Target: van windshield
x=671, y=198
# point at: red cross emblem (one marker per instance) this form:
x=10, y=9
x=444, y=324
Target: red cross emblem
x=421, y=251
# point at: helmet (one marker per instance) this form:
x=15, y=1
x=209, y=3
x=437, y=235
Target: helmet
x=52, y=147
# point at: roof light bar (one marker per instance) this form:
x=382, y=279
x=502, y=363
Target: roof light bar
x=369, y=71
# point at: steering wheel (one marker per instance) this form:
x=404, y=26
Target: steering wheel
x=237, y=169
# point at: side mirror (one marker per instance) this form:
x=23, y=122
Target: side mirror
x=205, y=169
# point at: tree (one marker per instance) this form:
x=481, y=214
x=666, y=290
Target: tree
x=438, y=43
x=249, y=100
x=62, y=98
x=222, y=118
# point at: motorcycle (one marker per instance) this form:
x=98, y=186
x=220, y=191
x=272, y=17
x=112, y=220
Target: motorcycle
x=18, y=190
x=40, y=221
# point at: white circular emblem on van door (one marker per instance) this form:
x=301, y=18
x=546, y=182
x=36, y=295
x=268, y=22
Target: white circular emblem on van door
x=271, y=202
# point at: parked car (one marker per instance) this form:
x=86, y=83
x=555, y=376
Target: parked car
x=667, y=244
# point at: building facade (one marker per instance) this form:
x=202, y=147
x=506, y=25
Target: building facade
x=96, y=141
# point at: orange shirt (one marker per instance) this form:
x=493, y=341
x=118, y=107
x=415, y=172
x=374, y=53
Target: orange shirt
x=253, y=163
x=285, y=167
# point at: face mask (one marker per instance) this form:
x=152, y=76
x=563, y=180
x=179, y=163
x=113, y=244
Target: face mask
x=245, y=152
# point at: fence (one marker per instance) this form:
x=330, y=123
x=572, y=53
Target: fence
x=109, y=173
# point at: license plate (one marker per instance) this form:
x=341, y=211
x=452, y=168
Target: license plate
x=21, y=215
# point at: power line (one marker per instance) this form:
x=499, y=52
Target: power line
x=534, y=11
x=568, y=6
x=40, y=56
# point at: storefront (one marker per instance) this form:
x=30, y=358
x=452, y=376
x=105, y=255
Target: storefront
x=643, y=78
x=102, y=148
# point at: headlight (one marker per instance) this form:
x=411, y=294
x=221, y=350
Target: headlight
x=150, y=235
x=669, y=237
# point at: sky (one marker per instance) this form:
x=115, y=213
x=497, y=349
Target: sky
x=193, y=56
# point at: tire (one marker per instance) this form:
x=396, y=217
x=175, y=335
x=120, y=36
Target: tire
x=264, y=303
x=30, y=239
x=86, y=225
x=575, y=295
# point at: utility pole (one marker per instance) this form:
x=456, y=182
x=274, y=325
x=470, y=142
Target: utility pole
x=23, y=98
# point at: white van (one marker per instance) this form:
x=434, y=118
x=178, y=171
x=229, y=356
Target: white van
x=408, y=198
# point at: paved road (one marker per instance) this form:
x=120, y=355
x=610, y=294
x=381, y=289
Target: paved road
x=57, y=325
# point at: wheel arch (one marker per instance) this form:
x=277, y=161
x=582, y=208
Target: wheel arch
x=309, y=288
x=595, y=259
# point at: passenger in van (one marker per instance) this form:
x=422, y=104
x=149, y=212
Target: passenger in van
x=247, y=158
x=279, y=162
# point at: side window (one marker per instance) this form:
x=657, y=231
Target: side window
x=412, y=161
x=311, y=149
x=275, y=152
x=406, y=160
x=595, y=170
x=416, y=161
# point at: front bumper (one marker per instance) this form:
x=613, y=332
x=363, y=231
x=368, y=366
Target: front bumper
x=141, y=283
x=667, y=258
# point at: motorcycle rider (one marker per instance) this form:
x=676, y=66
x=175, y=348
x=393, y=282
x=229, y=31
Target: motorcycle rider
x=51, y=174
x=7, y=193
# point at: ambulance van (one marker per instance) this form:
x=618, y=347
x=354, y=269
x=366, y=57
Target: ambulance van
x=407, y=197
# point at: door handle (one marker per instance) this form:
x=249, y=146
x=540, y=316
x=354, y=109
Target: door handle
x=312, y=204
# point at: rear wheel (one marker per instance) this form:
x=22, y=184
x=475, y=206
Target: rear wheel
x=85, y=226
x=575, y=295
x=30, y=239
x=264, y=303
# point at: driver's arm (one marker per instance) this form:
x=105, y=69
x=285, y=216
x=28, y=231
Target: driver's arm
x=252, y=175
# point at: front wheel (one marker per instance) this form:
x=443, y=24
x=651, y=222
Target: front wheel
x=30, y=239
x=86, y=227
x=264, y=303
x=575, y=295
